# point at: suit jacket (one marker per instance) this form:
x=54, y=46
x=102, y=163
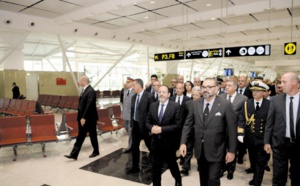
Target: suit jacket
x=276, y=123
x=221, y=118
x=122, y=95
x=237, y=103
x=126, y=107
x=87, y=105
x=16, y=92
x=171, y=125
x=247, y=92
x=149, y=89
x=171, y=90
x=254, y=132
x=183, y=106
x=143, y=109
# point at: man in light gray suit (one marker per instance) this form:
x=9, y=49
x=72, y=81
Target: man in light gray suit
x=282, y=131
x=210, y=117
x=237, y=101
x=126, y=111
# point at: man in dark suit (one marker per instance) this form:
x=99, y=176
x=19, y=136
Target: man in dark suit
x=150, y=88
x=140, y=104
x=181, y=99
x=221, y=89
x=15, y=91
x=210, y=117
x=252, y=121
x=243, y=87
x=282, y=133
x=156, y=84
x=186, y=164
x=173, y=87
x=237, y=101
x=87, y=119
x=164, y=123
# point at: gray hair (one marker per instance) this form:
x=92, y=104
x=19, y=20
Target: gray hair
x=197, y=88
x=213, y=79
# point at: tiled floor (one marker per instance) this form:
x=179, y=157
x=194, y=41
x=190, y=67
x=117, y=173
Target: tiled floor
x=32, y=169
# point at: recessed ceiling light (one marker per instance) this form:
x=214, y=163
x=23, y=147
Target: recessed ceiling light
x=213, y=18
x=146, y=17
x=152, y=2
x=208, y=4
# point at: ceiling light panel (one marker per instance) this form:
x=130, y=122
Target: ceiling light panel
x=59, y=6
x=10, y=7
x=158, y=4
x=40, y=13
x=22, y=2
x=122, y=22
x=177, y=10
x=128, y=10
x=104, y=17
x=151, y=17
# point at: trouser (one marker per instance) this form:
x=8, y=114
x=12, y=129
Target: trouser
x=189, y=154
x=159, y=156
x=90, y=126
x=137, y=136
x=281, y=157
x=259, y=159
x=209, y=172
x=128, y=130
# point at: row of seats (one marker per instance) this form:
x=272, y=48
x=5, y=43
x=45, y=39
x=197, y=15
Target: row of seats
x=59, y=102
x=106, y=118
x=17, y=107
x=21, y=130
x=108, y=93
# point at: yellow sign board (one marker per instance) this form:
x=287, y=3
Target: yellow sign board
x=290, y=48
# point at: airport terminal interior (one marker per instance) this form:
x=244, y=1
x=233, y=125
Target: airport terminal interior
x=47, y=45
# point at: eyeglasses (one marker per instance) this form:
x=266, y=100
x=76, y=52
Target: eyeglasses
x=207, y=87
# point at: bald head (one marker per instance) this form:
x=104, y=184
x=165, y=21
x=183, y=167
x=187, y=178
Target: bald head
x=289, y=83
x=180, y=79
x=197, y=81
x=242, y=81
x=84, y=81
x=179, y=89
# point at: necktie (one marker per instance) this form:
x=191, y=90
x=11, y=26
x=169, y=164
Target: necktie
x=128, y=92
x=257, y=106
x=229, y=98
x=161, y=113
x=241, y=91
x=178, y=100
x=136, y=106
x=292, y=132
x=206, y=112
x=82, y=91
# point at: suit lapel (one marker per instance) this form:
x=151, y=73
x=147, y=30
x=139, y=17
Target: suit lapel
x=213, y=110
x=298, y=113
x=200, y=111
x=166, y=113
x=284, y=108
x=142, y=98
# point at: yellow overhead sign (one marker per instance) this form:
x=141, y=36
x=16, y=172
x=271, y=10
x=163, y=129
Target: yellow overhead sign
x=290, y=48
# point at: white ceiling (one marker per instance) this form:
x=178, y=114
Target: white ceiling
x=164, y=25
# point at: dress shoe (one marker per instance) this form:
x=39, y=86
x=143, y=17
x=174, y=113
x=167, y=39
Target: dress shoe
x=126, y=150
x=94, y=155
x=230, y=176
x=267, y=168
x=178, y=184
x=249, y=170
x=184, y=172
x=70, y=157
x=251, y=182
x=132, y=171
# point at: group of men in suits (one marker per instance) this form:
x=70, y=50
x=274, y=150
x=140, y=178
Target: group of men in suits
x=168, y=123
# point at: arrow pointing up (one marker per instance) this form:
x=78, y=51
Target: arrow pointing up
x=228, y=52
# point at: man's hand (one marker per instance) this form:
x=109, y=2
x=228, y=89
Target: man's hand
x=267, y=148
x=156, y=129
x=182, y=150
x=82, y=121
x=229, y=157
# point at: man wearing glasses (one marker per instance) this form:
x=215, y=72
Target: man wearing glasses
x=210, y=117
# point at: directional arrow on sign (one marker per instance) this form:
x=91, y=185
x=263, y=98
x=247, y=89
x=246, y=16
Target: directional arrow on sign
x=228, y=52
